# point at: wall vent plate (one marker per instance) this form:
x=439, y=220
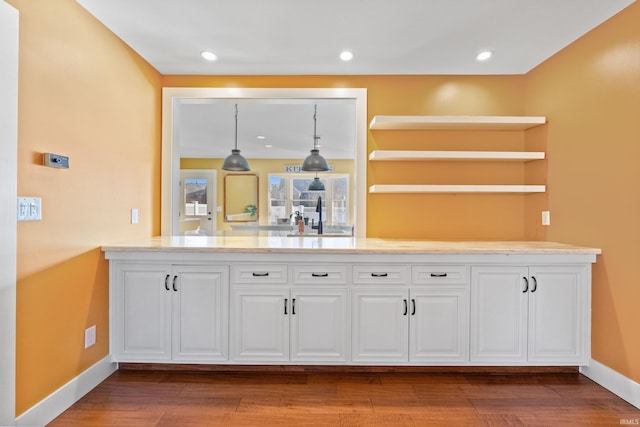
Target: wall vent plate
x=55, y=160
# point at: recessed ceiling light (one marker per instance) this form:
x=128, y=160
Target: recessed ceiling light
x=346, y=55
x=261, y=137
x=268, y=146
x=484, y=55
x=208, y=56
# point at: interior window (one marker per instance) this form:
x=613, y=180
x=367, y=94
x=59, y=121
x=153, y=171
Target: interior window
x=289, y=193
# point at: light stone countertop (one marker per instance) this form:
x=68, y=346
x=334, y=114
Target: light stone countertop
x=268, y=242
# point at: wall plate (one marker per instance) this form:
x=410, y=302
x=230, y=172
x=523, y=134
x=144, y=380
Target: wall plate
x=55, y=160
x=29, y=209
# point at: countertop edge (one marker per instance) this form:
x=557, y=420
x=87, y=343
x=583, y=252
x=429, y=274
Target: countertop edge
x=347, y=246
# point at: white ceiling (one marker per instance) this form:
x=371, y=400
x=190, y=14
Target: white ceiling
x=206, y=128
x=257, y=37
x=301, y=37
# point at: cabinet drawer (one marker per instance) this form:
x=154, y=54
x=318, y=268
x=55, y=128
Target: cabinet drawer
x=260, y=273
x=381, y=274
x=439, y=274
x=320, y=274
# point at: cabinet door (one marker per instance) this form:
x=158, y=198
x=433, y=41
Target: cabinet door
x=438, y=325
x=260, y=323
x=200, y=313
x=319, y=325
x=499, y=298
x=557, y=301
x=380, y=326
x=142, y=313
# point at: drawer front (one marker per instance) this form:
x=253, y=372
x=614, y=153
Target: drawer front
x=260, y=273
x=320, y=274
x=439, y=274
x=382, y=274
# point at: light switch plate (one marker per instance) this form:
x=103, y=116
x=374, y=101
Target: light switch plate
x=134, y=215
x=29, y=209
x=546, y=218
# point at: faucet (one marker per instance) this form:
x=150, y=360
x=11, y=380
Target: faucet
x=319, y=210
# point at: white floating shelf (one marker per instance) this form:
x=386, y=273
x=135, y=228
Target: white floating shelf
x=390, y=155
x=522, y=189
x=456, y=122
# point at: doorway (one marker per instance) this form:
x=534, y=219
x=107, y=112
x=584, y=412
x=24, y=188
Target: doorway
x=195, y=210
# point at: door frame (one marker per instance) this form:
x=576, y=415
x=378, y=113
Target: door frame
x=212, y=193
x=9, y=44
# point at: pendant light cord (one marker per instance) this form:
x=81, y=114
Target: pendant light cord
x=315, y=119
x=236, y=137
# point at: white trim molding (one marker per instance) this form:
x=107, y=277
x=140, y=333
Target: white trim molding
x=615, y=382
x=9, y=47
x=60, y=400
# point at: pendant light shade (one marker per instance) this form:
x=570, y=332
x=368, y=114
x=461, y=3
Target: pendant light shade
x=235, y=162
x=315, y=162
x=316, y=185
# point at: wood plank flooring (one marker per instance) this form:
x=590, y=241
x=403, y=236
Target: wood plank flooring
x=143, y=398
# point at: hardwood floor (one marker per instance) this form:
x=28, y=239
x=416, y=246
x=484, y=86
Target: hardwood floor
x=134, y=398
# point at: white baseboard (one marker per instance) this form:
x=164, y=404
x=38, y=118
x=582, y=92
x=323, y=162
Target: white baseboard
x=60, y=400
x=613, y=381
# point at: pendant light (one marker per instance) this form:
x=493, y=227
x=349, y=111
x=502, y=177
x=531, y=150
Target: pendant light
x=235, y=162
x=315, y=162
x=316, y=185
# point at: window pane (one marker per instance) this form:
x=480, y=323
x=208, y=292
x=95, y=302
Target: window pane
x=195, y=197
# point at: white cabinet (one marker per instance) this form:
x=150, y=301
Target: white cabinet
x=304, y=323
x=260, y=323
x=380, y=325
x=142, y=312
x=410, y=309
x=169, y=313
x=439, y=325
x=532, y=315
x=319, y=325
x=424, y=323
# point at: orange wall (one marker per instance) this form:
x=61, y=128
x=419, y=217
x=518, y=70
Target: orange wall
x=454, y=217
x=590, y=93
x=86, y=95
